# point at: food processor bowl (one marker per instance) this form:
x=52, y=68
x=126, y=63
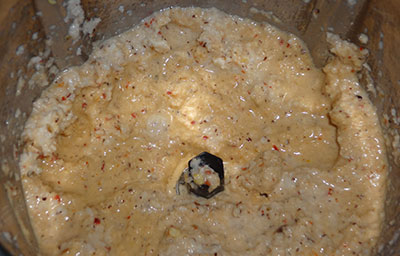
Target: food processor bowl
x=34, y=44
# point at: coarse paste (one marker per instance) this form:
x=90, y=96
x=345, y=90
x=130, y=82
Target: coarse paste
x=304, y=157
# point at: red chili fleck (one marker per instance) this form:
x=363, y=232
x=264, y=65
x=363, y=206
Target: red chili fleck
x=352, y=71
x=361, y=48
x=128, y=217
x=147, y=24
x=57, y=197
x=133, y=115
x=63, y=98
x=207, y=183
x=96, y=221
x=208, y=172
x=205, y=137
x=41, y=157
x=275, y=147
x=349, y=57
x=169, y=92
x=102, y=166
x=84, y=105
x=159, y=32
x=287, y=45
x=69, y=94
x=193, y=122
x=281, y=42
x=104, y=95
x=330, y=190
x=203, y=44
x=244, y=168
x=152, y=20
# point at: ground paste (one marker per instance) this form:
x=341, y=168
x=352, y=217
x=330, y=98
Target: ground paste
x=303, y=151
